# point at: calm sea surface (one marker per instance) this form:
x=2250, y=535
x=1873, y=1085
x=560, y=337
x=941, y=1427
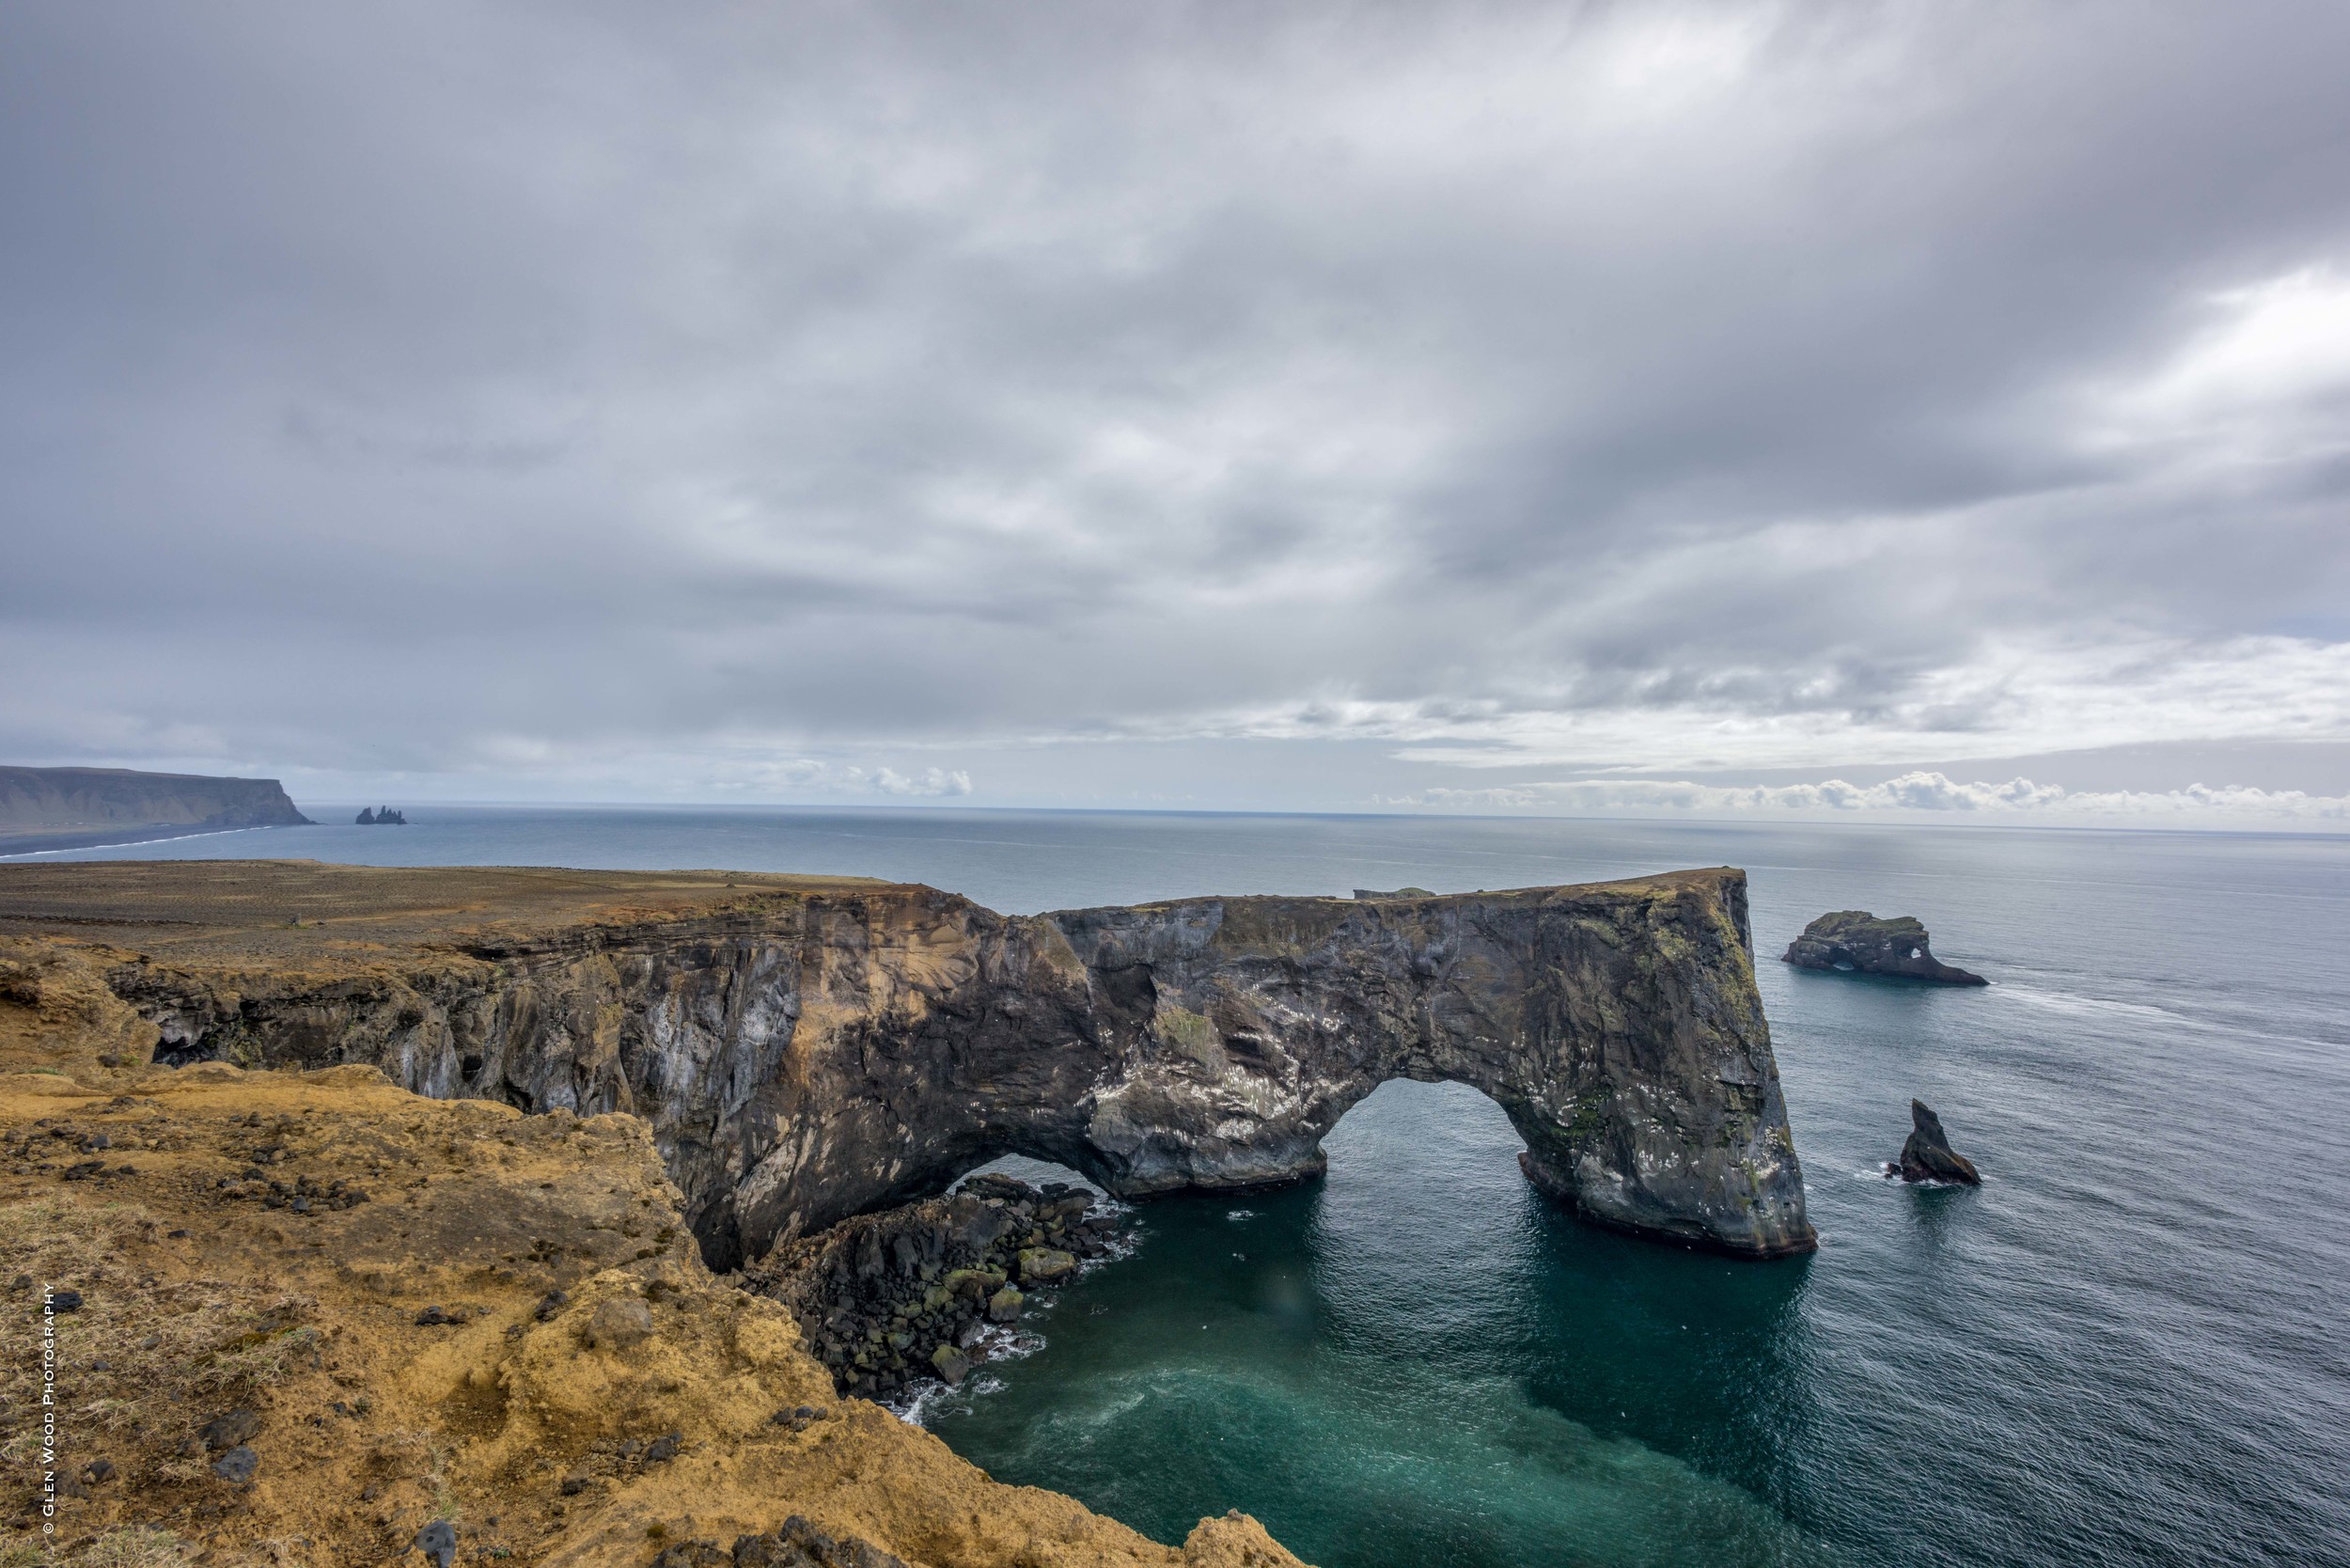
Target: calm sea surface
x=2130, y=1346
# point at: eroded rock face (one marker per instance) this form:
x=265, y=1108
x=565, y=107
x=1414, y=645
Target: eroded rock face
x=1857, y=942
x=806, y=1051
x=1927, y=1156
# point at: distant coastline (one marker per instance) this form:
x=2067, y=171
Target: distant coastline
x=44, y=810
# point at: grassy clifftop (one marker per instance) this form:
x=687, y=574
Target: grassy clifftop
x=318, y=1313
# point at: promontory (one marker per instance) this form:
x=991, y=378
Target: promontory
x=808, y=1049
x=70, y=807
x=318, y=1274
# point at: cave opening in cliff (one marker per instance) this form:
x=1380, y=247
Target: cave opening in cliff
x=1451, y=1135
x=1036, y=1173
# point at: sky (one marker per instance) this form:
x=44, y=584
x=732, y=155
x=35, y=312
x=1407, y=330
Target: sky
x=1934, y=411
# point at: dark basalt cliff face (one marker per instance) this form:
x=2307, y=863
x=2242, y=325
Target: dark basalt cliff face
x=1857, y=941
x=808, y=1051
x=63, y=800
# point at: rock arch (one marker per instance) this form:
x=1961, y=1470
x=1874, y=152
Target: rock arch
x=1217, y=1041
x=806, y=1049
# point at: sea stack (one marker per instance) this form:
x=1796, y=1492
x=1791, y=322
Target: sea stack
x=1928, y=1155
x=1856, y=942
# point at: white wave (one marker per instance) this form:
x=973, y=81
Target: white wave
x=2079, y=1006
x=132, y=843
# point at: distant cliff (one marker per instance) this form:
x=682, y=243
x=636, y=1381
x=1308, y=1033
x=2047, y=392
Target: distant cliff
x=49, y=801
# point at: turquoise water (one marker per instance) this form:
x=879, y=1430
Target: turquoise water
x=2125, y=1348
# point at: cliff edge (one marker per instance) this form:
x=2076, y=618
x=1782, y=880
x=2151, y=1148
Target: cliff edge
x=806, y=1049
x=309, y=1317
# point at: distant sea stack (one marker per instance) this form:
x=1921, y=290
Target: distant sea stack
x=1856, y=942
x=60, y=808
x=1928, y=1155
x=381, y=816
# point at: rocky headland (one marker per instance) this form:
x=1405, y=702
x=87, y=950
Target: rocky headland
x=806, y=1050
x=1856, y=942
x=265, y=1124
x=70, y=807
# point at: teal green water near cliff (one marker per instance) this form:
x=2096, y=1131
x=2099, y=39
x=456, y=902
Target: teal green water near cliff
x=2126, y=1348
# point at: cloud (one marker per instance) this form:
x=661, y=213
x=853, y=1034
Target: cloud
x=517, y=393
x=1912, y=793
x=804, y=777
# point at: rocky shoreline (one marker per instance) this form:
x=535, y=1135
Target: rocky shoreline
x=891, y=1301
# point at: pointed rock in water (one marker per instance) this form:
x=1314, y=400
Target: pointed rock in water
x=1856, y=942
x=1928, y=1155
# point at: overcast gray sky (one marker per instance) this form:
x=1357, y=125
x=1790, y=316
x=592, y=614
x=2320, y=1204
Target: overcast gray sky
x=1438, y=406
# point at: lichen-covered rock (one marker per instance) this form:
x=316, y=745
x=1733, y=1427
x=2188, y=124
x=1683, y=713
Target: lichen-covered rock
x=1927, y=1156
x=807, y=1050
x=1043, y=1265
x=883, y=1299
x=1856, y=942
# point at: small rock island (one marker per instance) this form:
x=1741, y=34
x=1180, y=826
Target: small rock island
x=1928, y=1155
x=1856, y=942
x=383, y=816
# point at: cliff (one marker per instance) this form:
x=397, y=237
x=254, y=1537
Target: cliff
x=809, y=1049
x=91, y=801
x=302, y=1318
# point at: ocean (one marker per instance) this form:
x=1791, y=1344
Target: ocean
x=2127, y=1347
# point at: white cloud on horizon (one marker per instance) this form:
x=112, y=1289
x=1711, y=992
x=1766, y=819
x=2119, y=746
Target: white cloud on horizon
x=2018, y=799
x=803, y=776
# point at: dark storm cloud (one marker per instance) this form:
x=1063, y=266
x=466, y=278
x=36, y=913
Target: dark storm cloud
x=680, y=392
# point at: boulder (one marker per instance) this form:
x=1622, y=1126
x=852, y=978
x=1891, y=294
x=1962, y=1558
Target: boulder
x=437, y=1541
x=994, y=1183
x=1041, y=1266
x=620, y=1323
x=1004, y=1305
x=979, y=1283
x=1928, y=1155
x=229, y=1431
x=1856, y=942
x=951, y=1364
